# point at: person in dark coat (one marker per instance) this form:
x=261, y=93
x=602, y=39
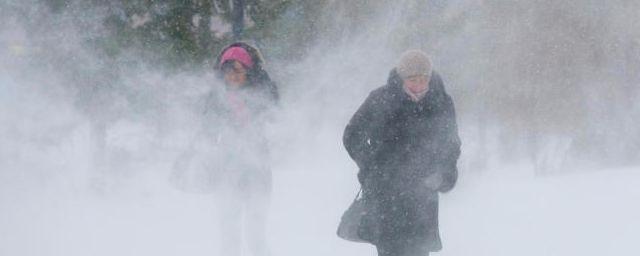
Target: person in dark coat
x=405, y=141
x=236, y=117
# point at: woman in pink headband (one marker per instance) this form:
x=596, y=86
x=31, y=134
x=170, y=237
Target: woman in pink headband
x=243, y=175
x=230, y=155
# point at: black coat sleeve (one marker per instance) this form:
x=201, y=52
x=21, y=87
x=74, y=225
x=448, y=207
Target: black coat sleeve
x=449, y=150
x=357, y=138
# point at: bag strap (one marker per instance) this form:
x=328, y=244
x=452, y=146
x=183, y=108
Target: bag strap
x=358, y=194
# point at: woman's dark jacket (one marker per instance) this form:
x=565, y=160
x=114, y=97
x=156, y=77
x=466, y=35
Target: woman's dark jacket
x=397, y=144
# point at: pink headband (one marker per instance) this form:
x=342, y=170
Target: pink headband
x=239, y=54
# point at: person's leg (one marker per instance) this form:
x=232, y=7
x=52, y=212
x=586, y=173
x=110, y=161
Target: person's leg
x=384, y=251
x=401, y=247
x=229, y=208
x=416, y=251
x=257, y=212
x=389, y=245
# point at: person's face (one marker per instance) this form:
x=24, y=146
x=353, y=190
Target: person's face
x=417, y=84
x=236, y=76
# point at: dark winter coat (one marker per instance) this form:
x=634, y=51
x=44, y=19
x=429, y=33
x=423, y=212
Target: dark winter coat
x=397, y=144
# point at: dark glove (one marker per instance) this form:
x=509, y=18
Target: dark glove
x=433, y=181
x=443, y=179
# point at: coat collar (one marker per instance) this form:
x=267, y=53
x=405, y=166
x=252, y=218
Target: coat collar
x=435, y=94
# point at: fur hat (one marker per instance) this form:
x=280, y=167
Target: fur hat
x=414, y=62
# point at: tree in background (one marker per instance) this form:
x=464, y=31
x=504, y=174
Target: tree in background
x=526, y=69
x=175, y=33
x=553, y=78
x=182, y=32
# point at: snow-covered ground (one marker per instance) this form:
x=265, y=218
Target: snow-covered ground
x=505, y=211
x=53, y=202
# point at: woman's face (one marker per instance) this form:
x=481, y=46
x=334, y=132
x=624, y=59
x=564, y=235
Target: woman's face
x=417, y=84
x=236, y=75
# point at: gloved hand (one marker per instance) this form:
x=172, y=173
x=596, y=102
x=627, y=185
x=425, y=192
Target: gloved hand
x=434, y=181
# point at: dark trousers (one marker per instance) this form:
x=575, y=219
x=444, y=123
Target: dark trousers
x=401, y=249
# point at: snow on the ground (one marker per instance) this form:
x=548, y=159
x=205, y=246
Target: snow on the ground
x=500, y=212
